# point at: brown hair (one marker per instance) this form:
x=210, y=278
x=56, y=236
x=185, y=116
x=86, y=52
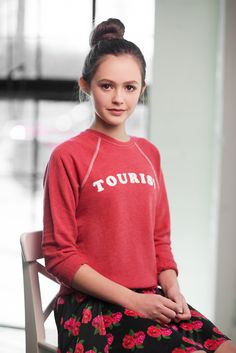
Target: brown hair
x=107, y=38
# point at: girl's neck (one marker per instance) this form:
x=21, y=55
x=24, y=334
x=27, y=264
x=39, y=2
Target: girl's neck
x=117, y=132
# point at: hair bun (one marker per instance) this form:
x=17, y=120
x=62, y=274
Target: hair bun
x=106, y=30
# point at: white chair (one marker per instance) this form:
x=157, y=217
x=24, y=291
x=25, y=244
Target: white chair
x=35, y=316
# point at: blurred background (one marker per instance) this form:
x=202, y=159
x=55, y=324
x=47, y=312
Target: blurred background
x=188, y=112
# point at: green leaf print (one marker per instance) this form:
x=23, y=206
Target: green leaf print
x=80, y=341
x=131, y=332
x=140, y=346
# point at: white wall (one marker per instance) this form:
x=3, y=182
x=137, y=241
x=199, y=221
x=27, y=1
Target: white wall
x=182, y=125
x=193, y=108
x=225, y=306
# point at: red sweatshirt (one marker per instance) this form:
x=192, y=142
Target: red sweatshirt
x=105, y=205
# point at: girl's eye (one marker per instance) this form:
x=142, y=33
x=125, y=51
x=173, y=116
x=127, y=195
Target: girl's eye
x=106, y=86
x=130, y=88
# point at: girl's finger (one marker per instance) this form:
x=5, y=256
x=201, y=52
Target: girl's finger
x=162, y=319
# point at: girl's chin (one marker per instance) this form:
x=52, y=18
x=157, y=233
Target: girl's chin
x=115, y=122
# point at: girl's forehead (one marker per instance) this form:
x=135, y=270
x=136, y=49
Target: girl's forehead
x=123, y=66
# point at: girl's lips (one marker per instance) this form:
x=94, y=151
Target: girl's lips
x=116, y=111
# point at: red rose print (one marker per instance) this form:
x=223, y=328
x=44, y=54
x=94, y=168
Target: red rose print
x=188, y=340
x=221, y=340
x=73, y=326
x=166, y=332
x=186, y=326
x=130, y=312
x=139, y=337
x=107, y=320
x=101, y=329
x=197, y=325
x=79, y=348
x=87, y=316
x=116, y=317
x=106, y=349
x=90, y=351
x=75, y=330
x=174, y=327
x=213, y=344
x=210, y=344
x=153, y=331
x=128, y=342
x=98, y=323
x=191, y=349
x=178, y=350
x=195, y=313
x=60, y=301
x=110, y=338
x=216, y=330
x=80, y=297
x=69, y=324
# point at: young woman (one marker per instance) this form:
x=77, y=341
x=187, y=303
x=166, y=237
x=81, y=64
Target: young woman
x=107, y=225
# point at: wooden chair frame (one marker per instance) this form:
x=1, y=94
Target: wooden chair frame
x=35, y=316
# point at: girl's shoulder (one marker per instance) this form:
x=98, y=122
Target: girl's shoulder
x=74, y=147
x=147, y=146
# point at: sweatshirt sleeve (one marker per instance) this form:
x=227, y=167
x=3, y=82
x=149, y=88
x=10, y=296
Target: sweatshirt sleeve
x=61, y=249
x=164, y=256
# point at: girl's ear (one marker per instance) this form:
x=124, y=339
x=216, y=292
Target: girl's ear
x=143, y=90
x=84, y=86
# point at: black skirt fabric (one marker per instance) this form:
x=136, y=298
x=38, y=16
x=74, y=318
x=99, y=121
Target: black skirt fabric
x=89, y=325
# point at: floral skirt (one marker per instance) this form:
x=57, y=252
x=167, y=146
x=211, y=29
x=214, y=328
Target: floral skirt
x=89, y=325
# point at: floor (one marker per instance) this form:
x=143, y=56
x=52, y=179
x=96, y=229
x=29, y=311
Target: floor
x=13, y=340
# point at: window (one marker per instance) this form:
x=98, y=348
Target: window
x=47, y=40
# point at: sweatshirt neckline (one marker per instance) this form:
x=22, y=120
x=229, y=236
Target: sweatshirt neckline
x=110, y=139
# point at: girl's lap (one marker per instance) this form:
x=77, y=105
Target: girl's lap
x=86, y=324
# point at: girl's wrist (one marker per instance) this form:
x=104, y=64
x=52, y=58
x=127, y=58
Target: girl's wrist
x=168, y=281
x=129, y=300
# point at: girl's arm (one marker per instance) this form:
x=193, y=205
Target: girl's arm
x=152, y=306
x=90, y=282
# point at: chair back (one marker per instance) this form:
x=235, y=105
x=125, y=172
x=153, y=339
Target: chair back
x=35, y=316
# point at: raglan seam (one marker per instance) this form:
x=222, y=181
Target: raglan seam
x=147, y=158
x=90, y=167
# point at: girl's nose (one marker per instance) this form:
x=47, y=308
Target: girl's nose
x=117, y=97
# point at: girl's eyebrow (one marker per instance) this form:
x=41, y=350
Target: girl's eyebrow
x=110, y=81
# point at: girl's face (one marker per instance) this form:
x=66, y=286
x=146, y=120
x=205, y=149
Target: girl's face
x=115, y=89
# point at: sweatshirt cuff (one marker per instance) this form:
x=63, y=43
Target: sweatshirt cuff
x=65, y=271
x=167, y=266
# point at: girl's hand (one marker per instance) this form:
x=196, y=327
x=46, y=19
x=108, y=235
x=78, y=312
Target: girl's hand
x=155, y=307
x=174, y=294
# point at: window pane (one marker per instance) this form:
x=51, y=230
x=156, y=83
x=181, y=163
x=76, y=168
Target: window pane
x=138, y=28
x=42, y=33
x=50, y=39
x=61, y=33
